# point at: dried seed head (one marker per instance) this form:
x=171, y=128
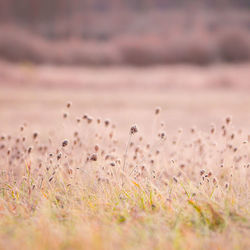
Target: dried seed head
x=93, y=157
x=35, y=135
x=162, y=135
x=180, y=130
x=85, y=116
x=157, y=110
x=202, y=172
x=59, y=156
x=182, y=166
x=214, y=180
x=29, y=150
x=65, y=143
x=89, y=119
x=212, y=130
x=193, y=129
x=175, y=179
x=96, y=148
x=228, y=120
x=133, y=129
x=68, y=105
x=107, y=122
x=70, y=171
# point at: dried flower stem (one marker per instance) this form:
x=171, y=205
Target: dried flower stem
x=125, y=156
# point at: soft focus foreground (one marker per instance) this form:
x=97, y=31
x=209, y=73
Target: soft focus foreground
x=80, y=176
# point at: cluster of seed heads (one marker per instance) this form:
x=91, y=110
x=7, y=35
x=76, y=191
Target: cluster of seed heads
x=133, y=129
x=211, y=158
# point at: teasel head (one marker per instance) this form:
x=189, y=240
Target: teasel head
x=133, y=129
x=157, y=110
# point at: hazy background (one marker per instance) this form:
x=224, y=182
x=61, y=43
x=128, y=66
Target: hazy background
x=131, y=32
x=190, y=57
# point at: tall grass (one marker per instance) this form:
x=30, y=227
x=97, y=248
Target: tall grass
x=72, y=189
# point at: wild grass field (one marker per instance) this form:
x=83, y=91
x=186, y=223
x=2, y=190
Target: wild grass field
x=124, y=124
x=134, y=168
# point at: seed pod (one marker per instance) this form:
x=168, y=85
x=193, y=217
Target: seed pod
x=175, y=179
x=59, y=156
x=68, y=105
x=29, y=150
x=202, y=172
x=93, y=157
x=133, y=129
x=228, y=120
x=157, y=110
x=35, y=135
x=65, y=143
x=96, y=148
x=107, y=122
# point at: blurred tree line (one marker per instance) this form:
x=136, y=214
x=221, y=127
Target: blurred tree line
x=133, y=32
x=33, y=11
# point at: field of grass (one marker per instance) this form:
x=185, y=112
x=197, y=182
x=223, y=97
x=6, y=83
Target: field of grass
x=104, y=168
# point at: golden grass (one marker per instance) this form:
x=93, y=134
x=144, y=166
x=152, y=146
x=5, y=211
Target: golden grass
x=78, y=186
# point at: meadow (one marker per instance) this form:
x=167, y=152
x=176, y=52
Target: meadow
x=124, y=124
x=129, y=168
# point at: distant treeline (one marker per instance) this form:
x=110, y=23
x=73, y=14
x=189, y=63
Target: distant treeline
x=132, y=32
x=29, y=11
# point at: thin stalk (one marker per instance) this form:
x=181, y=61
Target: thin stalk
x=125, y=156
